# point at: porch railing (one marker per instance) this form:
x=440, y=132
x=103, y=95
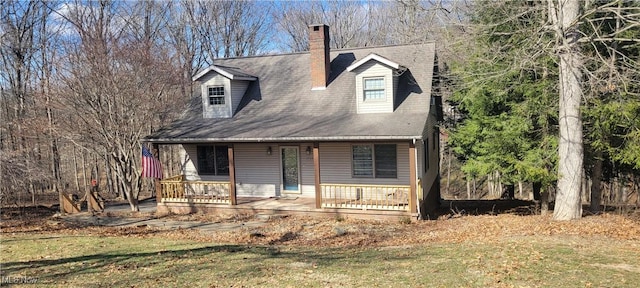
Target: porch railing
x=176, y=189
x=354, y=196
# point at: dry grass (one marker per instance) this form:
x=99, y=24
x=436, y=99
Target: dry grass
x=467, y=251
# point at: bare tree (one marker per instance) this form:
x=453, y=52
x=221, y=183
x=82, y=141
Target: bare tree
x=229, y=28
x=293, y=18
x=22, y=43
x=351, y=23
x=360, y=24
x=183, y=36
x=116, y=82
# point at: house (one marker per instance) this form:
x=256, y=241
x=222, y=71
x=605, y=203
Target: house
x=350, y=130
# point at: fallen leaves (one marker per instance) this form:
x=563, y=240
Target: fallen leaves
x=329, y=232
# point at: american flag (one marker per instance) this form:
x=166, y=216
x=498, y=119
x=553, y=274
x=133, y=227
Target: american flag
x=150, y=166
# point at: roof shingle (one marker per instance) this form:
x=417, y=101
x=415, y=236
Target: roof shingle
x=280, y=105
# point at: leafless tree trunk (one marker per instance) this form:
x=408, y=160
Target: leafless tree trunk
x=622, y=190
x=354, y=24
x=184, y=37
x=229, y=28
x=449, y=170
x=596, y=189
x=520, y=190
x=499, y=180
x=84, y=173
x=475, y=191
x=490, y=184
x=118, y=82
x=565, y=15
x=544, y=202
x=75, y=169
x=21, y=43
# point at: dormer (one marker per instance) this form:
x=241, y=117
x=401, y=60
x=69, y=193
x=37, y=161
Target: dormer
x=222, y=90
x=376, y=83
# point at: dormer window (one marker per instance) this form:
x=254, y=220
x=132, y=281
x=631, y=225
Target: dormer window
x=222, y=89
x=216, y=95
x=376, y=83
x=374, y=88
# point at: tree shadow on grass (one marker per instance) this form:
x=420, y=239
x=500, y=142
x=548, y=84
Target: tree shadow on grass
x=94, y=265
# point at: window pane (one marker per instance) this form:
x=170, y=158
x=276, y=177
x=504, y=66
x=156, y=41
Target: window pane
x=373, y=94
x=222, y=160
x=386, y=163
x=217, y=100
x=362, y=161
x=206, y=160
x=374, y=83
x=216, y=95
x=290, y=169
x=216, y=91
x=374, y=88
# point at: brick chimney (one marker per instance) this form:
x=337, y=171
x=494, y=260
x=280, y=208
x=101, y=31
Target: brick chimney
x=319, y=50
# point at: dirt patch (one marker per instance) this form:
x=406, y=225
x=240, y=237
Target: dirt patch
x=26, y=218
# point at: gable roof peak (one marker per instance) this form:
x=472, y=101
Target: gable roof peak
x=231, y=73
x=376, y=57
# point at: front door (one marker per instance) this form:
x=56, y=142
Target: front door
x=290, y=169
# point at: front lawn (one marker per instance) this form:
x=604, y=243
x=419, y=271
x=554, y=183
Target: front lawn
x=73, y=260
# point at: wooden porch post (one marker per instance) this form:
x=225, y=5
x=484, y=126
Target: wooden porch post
x=316, y=166
x=232, y=177
x=158, y=186
x=412, y=178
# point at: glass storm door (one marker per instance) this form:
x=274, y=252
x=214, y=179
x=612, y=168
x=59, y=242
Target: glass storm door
x=290, y=169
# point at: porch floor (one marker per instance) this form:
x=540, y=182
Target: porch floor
x=290, y=205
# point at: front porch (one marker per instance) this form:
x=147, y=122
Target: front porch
x=255, y=181
x=177, y=195
x=277, y=206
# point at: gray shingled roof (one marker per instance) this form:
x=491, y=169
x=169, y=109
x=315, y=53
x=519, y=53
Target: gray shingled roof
x=234, y=71
x=230, y=72
x=280, y=105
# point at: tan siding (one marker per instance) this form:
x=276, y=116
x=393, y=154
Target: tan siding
x=395, y=87
x=186, y=163
x=420, y=159
x=257, y=173
x=217, y=111
x=335, y=165
x=189, y=160
x=307, y=171
x=374, y=69
x=428, y=177
x=238, y=88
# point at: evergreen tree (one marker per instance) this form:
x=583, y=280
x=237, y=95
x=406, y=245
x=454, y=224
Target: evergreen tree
x=508, y=97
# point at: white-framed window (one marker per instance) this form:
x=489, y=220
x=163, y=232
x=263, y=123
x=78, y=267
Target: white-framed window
x=373, y=88
x=374, y=160
x=216, y=95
